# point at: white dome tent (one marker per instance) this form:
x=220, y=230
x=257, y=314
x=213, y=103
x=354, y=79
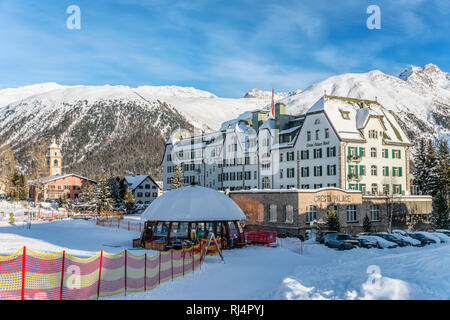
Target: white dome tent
x=188, y=214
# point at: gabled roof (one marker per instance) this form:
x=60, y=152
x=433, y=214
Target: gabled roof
x=58, y=177
x=136, y=181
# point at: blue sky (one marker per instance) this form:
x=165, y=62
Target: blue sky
x=226, y=47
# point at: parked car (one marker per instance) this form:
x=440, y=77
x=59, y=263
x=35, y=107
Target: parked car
x=423, y=239
x=391, y=238
x=444, y=231
x=340, y=241
x=436, y=236
x=405, y=237
x=364, y=243
x=380, y=242
x=321, y=234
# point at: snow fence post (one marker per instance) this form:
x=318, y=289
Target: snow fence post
x=159, y=270
x=145, y=272
x=125, y=272
x=99, y=274
x=171, y=261
x=24, y=254
x=62, y=275
x=184, y=253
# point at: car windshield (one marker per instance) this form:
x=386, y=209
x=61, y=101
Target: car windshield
x=344, y=237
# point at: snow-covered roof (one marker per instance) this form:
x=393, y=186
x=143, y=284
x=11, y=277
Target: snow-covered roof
x=58, y=177
x=349, y=115
x=135, y=181
x=193, y=203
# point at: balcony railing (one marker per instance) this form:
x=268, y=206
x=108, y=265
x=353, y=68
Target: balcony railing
x=354, y=158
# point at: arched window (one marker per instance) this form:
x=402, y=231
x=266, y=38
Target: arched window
x=373, y=170
x=55, y=163
x=373, y=152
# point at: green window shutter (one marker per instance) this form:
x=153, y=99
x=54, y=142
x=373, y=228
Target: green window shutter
x=328, y=152
x=334, y=168
x=328, y=170
x=320, y=152
x=393, y=154
x=315, y=171
x=361, y=169
x=307, y=171
x=349, y=169
x=320, y=170
x=387, y=171
x=400, y=188
x=361, y=151
x=307, y=154
x=399, y=154
x=399, y=171
x=386, y=153
x=349, y=150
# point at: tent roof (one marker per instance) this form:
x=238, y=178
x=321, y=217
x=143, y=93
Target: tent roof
x=191, y=204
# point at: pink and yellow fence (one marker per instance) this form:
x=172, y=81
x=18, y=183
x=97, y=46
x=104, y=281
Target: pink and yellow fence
x=28, y=275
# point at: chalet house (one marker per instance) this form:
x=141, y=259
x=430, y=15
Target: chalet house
x=144, y=188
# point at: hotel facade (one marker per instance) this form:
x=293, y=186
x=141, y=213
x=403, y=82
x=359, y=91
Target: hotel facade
x=346, y=143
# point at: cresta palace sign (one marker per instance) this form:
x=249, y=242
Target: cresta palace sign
x=332, y=198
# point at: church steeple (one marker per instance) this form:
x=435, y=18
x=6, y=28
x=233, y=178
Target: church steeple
x=54, y=158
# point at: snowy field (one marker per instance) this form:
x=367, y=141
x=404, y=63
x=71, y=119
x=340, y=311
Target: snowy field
x=261, y=272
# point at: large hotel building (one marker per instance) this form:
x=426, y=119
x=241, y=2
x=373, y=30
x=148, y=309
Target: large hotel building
x=346, y=144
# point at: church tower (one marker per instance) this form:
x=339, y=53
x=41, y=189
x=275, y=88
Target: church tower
x=54, y=158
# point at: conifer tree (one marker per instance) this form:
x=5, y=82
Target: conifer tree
x=332, y=219
x=443, y=168
x=129, y=201
x=440, y=214
x=420, y=166
x=178, y=180
x=104, y=200
x=431, y=182
x=367, y=225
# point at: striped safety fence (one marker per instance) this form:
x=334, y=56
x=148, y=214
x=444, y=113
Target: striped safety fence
x=118, y=223
x=29, y=275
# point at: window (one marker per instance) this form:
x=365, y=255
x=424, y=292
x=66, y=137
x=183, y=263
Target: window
x=317, y=153
x=397, y=189
x=374, y=188
x=290, y=173
x=317, y=134
x=385, y=153
x=375, y=212
x=331, y=151
x=281, y=173
x=305, y=154
x=318, y=171
x=147, y=186
x=147, y=194
x=139, y=194
x=373, y=170
x=305, y=172
x=345, y=115
x=281, y=157
x=265, y=183
x=308, y=136
x=373, y=152
x=317, y=186
x=289, y=214
x=317, y=121
x=396, y=154
x=331, y=170
x=66, y=187
x=290, y=156
x=311, y=213
x=352, y=215
x=386, y=171
x=386, y=188
x=155, y=194
x=305, y=186
x=373, y=134
x=327, y=133
x=273, y=213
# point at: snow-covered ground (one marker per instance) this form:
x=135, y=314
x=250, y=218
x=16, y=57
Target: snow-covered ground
x=257, y=272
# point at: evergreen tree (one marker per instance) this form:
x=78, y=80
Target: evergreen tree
x=431, y=162
x=332, y=219
x=129, y=201
x=420, y=168
x=104, y=200
x=367, y=225
x=443, y=168
x=89, y=193
x=19, y=189
x=178, y=180
x=440, y=214
x=114, y=187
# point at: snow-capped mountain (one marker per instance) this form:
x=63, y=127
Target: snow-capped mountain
x=419, y=98
x=126, y=127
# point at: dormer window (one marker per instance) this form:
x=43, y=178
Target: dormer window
x=345, y=114
x=317, y=121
